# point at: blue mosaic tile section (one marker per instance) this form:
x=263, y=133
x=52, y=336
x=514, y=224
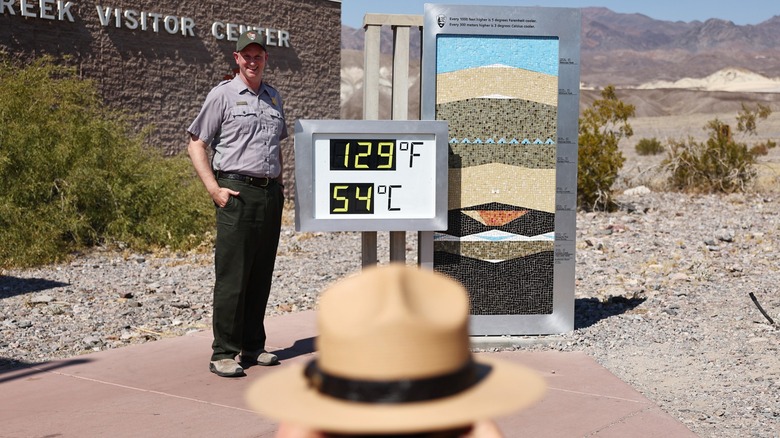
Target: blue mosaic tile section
x=458, y=52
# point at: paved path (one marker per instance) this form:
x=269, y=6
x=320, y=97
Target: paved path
x=164, y=389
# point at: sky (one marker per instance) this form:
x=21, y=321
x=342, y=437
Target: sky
x=739, y=11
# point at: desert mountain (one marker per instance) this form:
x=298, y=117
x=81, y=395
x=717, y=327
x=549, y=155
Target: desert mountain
x=647, y=58
x=631, y=49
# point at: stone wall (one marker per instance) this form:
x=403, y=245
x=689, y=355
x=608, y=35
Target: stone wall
x=163, y=76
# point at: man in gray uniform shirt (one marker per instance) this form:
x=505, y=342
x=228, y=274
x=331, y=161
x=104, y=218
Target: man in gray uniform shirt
x=242, y=120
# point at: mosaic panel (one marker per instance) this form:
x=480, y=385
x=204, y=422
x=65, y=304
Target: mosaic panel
x=499, y=119
x=530, y=223
x=501, y=183
x=471, y=153
x=500, y=96
x=490, y=252
x=519, y=285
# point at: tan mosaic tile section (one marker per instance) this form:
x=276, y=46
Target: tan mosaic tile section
x=489, y=81
x=493, y=251
x=512, y=185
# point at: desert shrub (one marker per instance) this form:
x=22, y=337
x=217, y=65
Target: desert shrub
x=649, y=146
x=599, y=160
x=72, y=175
x=721, y=163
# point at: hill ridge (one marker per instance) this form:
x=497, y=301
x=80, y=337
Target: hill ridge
x=633, y=49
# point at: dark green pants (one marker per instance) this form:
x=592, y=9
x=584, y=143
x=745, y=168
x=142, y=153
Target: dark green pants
x=247, y=238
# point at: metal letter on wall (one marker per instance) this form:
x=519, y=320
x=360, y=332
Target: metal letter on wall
x=507, y=81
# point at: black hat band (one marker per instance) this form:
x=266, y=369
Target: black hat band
x=391, y=391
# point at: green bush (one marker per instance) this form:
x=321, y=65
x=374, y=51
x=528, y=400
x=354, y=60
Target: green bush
x=598, y=159
x=720, y=164
x=649, y=146
x=72, y=176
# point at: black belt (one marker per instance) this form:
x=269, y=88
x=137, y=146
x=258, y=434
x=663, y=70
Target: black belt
x=257, y=181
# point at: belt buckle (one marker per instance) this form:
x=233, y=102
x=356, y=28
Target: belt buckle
x=259, y=181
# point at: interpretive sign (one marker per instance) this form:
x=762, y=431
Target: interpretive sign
x=507, y=81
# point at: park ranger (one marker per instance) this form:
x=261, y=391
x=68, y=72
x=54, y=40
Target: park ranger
x=242, y=122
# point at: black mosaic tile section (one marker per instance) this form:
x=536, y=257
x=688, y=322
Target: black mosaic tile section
x=532, y=223
x=521, y=286
x=499, y=118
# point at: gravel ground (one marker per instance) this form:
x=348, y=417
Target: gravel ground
x=662, y=301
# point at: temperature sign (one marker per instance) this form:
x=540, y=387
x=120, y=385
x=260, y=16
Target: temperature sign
x=371, y=175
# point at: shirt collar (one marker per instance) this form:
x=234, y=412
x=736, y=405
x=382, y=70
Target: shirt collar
x=239, y=85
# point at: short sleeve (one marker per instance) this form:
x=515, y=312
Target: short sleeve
x=207, y=124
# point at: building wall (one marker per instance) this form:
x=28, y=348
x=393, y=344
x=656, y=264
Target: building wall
x=163, y=75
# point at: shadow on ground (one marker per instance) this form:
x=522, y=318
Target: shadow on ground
x=13, y=286
x=24, y=370
x=589, y=311
x=301, y=347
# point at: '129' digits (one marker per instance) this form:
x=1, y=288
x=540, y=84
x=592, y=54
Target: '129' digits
x=362, y=154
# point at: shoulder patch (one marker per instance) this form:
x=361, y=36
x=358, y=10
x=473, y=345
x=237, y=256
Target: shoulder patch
x=276, y=98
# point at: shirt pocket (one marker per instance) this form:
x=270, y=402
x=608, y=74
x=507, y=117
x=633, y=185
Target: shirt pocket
x=273, y=121
x=245, y=117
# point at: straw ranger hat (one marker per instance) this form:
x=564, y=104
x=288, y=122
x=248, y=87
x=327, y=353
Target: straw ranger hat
x=393, y=357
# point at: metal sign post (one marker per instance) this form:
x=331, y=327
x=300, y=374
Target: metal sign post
x=401, y=25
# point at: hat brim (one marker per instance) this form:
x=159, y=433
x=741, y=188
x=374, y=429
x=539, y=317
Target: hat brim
x=502, y=388
x=240, y=47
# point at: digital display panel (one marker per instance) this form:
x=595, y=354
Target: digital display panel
x=383, y=177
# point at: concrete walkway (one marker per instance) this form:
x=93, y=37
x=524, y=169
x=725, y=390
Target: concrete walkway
x=164, y=389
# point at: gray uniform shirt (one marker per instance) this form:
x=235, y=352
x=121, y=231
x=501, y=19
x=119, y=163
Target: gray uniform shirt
x=243, y=128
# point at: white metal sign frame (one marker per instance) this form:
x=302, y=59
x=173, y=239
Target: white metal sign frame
x=563, y=24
